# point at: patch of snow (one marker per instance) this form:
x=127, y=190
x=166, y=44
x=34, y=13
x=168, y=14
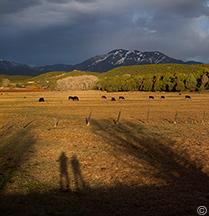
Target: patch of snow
x=160, y=60
x=100, y=59
x=129, y=52
x=120, y=61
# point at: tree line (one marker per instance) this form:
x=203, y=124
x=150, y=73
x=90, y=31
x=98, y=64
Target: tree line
x=197, y=81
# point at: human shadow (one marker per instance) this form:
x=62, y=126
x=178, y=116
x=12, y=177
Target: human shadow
x=64, y=176
x=78, y=178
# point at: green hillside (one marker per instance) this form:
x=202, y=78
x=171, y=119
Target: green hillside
x=14, y=78
x=166, y=77
x=153, y=69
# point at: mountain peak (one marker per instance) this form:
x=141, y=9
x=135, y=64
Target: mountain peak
x=99, y=63
x=122, y=57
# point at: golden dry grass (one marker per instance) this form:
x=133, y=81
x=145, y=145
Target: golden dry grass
x=133, y=168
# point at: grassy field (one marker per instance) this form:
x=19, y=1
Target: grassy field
x=140, y=166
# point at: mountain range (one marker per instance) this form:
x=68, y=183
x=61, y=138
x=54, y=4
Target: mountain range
x=100, y=63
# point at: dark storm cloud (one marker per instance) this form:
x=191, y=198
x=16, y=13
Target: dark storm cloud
x=67, y=1
x=13, y=6
x=183, y=8
x=69, y=31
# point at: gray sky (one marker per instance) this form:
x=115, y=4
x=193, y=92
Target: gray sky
x=41, y=32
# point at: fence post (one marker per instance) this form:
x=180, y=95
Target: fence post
x=88, y=119
x=203, y=118
x=23, y=124
x=148, y=114
x=175, y=117
x=117, y=121
x=56, y=122
x=8, y=125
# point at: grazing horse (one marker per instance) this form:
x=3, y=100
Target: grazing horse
x=113, y=99
x=151, y=97
x=75, y=98
x=104, y=97
x=187, y=96
x=121, y=97
x=163, y=97
x=70, y=98
x=41, y=100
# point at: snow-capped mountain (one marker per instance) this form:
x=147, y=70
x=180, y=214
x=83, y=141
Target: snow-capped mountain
x=101, y=63
x=120, y=57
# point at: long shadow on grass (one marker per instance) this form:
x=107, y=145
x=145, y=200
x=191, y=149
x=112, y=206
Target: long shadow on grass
x=15, y=148
x=78, y=178
x=64, y=176
x=157, y=151
x=180, y=195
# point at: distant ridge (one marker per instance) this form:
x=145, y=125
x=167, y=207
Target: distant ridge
x=100, y=63
x=13, y=68
x=120, y=57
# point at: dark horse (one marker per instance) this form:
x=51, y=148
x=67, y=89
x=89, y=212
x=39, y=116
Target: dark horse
x=121, y=97
x=41, y=100
x=187, y=96
x=75, y=98
x=70, y=98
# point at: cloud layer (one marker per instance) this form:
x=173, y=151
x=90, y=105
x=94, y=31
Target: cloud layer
x=40, y=32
